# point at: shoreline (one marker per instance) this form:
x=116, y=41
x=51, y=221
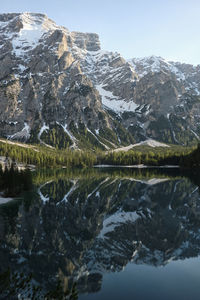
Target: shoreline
x=138, y=166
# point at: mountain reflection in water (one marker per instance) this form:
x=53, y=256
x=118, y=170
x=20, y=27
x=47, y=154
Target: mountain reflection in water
x=79, y=226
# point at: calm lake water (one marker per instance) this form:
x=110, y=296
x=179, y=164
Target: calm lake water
x=103, y=234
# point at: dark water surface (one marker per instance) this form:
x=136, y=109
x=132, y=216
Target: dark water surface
x=103, y=234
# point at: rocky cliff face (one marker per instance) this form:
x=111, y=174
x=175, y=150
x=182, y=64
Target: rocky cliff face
x=169, y=95
x=56, y=84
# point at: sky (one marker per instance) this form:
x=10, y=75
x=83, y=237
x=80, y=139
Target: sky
x=134, y=28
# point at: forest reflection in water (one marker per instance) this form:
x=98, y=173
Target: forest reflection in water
x=77, y=227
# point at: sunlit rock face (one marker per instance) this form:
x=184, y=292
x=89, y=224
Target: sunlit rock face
x=79, y=228
x=54, y=79
x=43, y=86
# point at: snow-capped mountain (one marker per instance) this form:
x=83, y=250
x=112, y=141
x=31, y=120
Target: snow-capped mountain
x=59, y=87
x=156, y=64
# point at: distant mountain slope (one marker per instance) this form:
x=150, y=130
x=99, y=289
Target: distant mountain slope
x=59, y=88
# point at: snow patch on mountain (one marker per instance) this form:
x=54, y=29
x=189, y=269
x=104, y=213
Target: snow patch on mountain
x=42, y=129
x=115, y=103
x=28, y=38
x=104, y=145
x=34, y=27
x=72, y=137
x=23, y=134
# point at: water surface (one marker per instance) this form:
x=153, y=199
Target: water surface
x=115, y=234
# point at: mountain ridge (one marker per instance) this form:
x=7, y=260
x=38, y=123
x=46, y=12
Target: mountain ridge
x=59, y=88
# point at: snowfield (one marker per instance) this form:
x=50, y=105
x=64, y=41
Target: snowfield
x=115, y=103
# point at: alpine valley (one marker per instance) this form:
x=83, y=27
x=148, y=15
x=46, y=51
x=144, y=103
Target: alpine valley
x=60, y=89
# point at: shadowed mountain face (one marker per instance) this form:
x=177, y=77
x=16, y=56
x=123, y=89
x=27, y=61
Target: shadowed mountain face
x=80, y=228
x=58, y=87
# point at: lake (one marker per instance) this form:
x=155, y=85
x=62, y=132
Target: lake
x=102, y=234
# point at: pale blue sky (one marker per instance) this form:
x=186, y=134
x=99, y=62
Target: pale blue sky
x=135, y=28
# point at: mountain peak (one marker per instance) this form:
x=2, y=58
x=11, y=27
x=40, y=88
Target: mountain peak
x=14, y=22
x=156, y=64
x=24, y=30
x=24, y=16
x=54, y=79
